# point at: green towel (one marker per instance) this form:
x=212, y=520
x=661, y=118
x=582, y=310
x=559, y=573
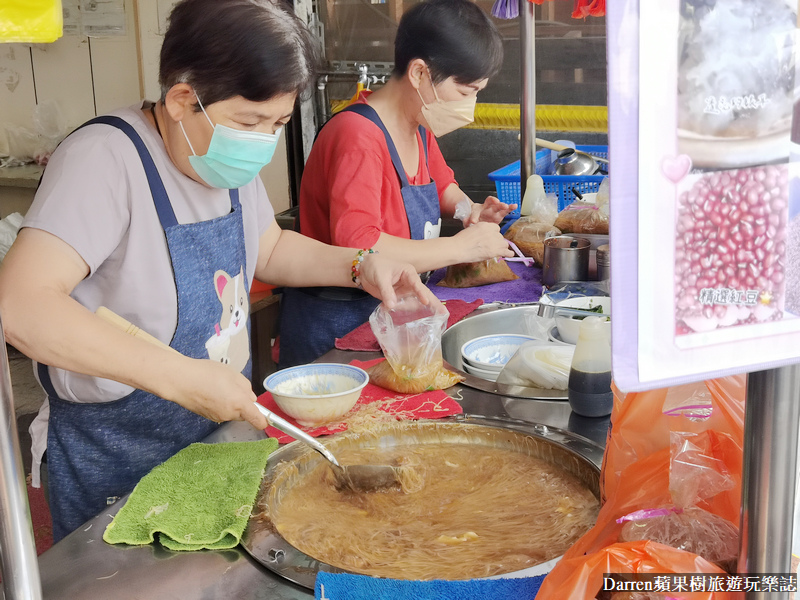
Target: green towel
x=199, y=498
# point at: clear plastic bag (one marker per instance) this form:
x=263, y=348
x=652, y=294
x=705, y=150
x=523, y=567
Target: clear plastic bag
x=692, y=530
x=582, y=217
x=410, y=336
x=537, y=326
x=529, y=234
x=539, y=364
x=21, y=145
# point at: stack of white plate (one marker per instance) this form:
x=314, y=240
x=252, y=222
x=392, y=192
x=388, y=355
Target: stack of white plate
x=486, y=356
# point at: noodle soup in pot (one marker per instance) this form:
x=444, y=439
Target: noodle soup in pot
x=475, y=502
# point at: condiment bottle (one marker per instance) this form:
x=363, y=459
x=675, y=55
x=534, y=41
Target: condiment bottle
x=589, y=386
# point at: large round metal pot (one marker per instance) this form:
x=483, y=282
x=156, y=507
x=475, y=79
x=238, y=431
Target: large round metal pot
x=576, y=455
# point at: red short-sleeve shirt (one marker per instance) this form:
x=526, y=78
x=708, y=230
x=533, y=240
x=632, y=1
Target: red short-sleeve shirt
x=350, y=192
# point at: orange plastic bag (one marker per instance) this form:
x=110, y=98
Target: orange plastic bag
x=641, y=425
x=678, y=447
x=581, y=577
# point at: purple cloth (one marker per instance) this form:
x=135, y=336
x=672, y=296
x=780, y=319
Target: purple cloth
x=528, y=288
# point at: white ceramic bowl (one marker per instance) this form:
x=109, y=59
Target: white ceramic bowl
x=492, y=352
x=554, y=337
x=482, y=373
x=568, y=326
x=316, y=393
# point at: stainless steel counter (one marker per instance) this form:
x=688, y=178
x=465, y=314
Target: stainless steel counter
x=83, y=566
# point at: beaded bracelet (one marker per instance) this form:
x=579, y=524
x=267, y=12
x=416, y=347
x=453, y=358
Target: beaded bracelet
x=355, y=271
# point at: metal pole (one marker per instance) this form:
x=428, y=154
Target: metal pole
x=527, y=105
x=772, y=413
x=18, y=563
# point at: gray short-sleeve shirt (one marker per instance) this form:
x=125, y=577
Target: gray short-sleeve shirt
x=94, y=196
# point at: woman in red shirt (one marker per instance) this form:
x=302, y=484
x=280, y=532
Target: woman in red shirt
x=376, y=179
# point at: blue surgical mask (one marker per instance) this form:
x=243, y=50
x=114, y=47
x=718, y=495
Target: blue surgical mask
x=234, y=157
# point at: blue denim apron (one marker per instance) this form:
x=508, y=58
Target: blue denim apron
x=312, y=318
x=97, y=452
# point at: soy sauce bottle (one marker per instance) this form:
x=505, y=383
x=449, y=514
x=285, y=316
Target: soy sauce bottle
x=589, y=386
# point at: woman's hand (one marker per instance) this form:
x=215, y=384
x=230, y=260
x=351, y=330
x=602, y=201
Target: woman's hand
x=491, y=211
x=214, y=391
x=481, y=241
x=389, y=280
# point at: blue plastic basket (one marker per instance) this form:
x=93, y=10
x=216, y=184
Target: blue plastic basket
x=507, y=180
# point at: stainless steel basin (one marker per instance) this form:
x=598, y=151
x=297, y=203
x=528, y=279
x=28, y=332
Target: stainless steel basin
x=489, y=322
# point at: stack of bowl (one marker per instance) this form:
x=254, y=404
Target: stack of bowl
x=569, y=325
x=486, y=356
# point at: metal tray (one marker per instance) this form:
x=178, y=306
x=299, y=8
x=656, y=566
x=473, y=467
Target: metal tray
x=573, y=453
x=492, y=322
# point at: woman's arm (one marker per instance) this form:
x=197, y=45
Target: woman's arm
x=287, y=258
x=41, y=319
x=482, y=241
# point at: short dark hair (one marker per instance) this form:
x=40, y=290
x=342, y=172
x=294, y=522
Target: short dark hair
x=257, y=49
x=454, y=37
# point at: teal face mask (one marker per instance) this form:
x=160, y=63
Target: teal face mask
x=234, y=157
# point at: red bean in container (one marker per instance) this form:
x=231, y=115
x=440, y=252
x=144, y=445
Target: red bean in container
x=730, y=248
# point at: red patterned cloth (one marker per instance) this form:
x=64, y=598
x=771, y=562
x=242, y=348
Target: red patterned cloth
x=362, y=339
x=427, y=405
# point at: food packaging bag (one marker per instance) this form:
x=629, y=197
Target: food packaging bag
x=482, y=272
x=583, y=217
x=529, y=235
x=410, y=336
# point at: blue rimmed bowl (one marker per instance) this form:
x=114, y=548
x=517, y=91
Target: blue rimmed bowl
x=317, y=393
x=492, y=352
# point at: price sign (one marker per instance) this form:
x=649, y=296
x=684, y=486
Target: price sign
x=705, y=233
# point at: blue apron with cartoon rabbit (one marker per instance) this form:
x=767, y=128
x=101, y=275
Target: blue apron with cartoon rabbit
x=312, y=318
x=97, y=452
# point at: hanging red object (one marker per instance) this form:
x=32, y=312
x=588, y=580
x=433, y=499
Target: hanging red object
x=589, y=8
x=584, y=8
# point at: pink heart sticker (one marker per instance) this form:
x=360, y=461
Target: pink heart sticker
x=676, y=168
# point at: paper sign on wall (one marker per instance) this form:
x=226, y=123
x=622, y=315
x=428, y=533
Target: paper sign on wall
x=705, y=233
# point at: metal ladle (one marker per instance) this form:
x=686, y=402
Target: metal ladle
x=358, y=478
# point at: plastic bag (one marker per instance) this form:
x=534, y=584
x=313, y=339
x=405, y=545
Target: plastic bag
x=694, y=530
x=22, y=145
x=34, y=21
x=536, y=326
x=668, y=450
x=478, y=273
x=581, y=577
x=582, y=217
x=410, y=336
x=9, y=228
x=529, y=234
x=603, y=198
x=539, y=364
